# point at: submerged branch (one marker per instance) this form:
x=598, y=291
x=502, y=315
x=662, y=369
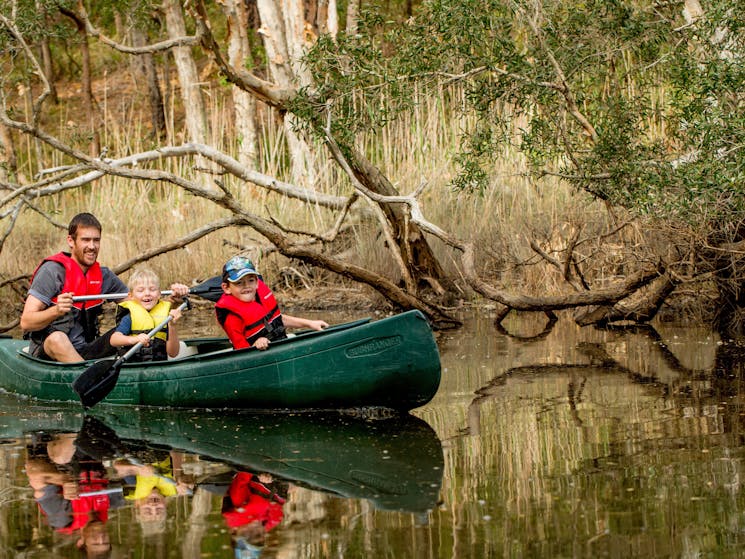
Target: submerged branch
x=608, y=295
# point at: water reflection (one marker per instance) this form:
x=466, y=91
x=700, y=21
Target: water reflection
x=557, y=442
x=152, y=481
x=593, y=443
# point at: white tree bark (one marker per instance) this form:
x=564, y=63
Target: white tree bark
x=191, y=93
x=353, y=15
x=332, y=22
x=692, y=10
x=244, y=104
x=283, y=30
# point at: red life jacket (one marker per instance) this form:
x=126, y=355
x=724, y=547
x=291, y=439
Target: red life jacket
x=261, y=317
x=84, y=508
x=79, y=283
x=249, y=500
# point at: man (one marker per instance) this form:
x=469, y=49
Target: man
x=57, y=328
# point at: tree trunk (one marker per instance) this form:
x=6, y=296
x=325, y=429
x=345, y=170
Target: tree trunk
x=244, y=104
x=729, y=318
x=327, y=19
x=8, y=160
x=415, y=250
x=146, y=72
x=87, y=82
x=191, y=94
x=353, y=16
x=283, y=31
x=48, y=67
x=46, y=57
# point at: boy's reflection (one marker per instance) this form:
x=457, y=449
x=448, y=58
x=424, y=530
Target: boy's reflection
x=149, y=485
x=252, y=506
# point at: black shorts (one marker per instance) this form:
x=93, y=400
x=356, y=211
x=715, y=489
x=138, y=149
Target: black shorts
x=97, y=349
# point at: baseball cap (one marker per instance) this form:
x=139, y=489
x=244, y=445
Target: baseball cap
x=245, y=550
x=237, y=267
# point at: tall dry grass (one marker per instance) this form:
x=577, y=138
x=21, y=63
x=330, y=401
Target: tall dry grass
x=419, y=147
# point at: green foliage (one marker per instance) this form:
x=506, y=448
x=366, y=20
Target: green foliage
x=624, y=99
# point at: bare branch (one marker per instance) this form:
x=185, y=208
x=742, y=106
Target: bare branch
x=115, y=167
x=10, y=325
x=46, y=89
x=609, y=295
x=267, y=92
x=554, y=262
x=564, y=88
x=14, y=216
x=410, y=201
x=179, y=243
x=38, y=188
x=161, y=46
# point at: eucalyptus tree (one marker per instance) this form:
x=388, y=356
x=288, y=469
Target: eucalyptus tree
x=639, y=104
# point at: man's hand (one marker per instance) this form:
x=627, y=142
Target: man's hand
x=64, y=303
x=142, y=338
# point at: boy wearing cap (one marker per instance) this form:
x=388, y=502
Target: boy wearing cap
x=248, y=311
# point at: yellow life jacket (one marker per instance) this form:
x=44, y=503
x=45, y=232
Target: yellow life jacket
x=144, y=321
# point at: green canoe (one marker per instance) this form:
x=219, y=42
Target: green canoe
x=396, y=462
x=391, y=363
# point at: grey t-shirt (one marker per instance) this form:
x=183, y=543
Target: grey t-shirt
x=48, y=283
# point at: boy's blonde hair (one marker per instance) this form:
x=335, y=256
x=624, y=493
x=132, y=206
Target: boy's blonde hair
x=143, y=275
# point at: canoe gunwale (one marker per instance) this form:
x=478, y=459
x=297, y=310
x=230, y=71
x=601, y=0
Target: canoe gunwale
x=298, y=336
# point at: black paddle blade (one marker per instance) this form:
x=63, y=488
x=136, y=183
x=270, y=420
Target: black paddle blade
x=95, y=383
x=210, y=289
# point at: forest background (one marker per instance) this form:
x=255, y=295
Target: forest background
x=530, y=155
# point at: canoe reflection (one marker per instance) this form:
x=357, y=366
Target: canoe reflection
x=396, y=463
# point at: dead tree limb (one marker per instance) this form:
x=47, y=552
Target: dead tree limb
x=193, y=236
x=154, y=48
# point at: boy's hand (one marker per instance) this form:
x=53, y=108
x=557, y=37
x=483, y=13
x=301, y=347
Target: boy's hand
x=262, y=343
x=179, y=291
x=176, y=314
x=317, y=324
x=143, y=339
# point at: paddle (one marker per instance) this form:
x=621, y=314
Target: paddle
x=210, y=290
x=95, y=383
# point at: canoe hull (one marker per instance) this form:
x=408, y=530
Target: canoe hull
x=391, y=363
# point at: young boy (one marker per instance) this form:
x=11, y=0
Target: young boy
x=142, y=312
x=248, y=311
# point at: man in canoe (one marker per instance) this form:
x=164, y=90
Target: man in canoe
x=58, y=328
x=248, y=311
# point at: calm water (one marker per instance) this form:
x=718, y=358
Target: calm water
x=566, y=443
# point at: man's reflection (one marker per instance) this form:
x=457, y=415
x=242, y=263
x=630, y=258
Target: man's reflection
x=72, y=490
